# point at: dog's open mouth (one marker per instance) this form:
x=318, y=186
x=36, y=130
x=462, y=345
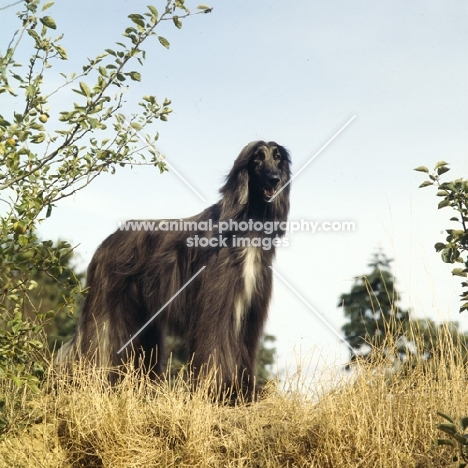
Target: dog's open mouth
x=269, y=192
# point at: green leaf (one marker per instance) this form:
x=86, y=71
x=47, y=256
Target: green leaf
x=23, y=240
x=445, y=442
x=442, y=170
x=62, y=52
x=49, y=314
x=33, y=34
x=177, y=22
x=137, y=19
x=164, y=42
x=449, y=255
x=448, y=428
x=39, y=138
x=47, y=5
x=93, y=123
x=36, y=344
x=447, y=186
x=464, y=423
x=422, y=169
x=457, y=233
x=459, y=272
x=48, y=22
x=440, y=164
x=443, y=204
x=135, y=76
x=153, y=10
x=439, y=246
x=426, y=183
x=4, y=123
x=85, y=89
x=16, y=381
x=136, y=126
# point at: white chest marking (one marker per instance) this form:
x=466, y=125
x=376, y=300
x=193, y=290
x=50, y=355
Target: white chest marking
x=249, y=274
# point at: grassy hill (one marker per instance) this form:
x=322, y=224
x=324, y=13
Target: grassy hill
x=375, y=420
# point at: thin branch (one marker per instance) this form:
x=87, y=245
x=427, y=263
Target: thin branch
x=10, y=49
x=47, y=159
x=11, y=5
x=67, y=82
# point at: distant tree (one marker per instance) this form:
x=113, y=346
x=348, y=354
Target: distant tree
x=265, y=360
x=444, y=340
x=378, y=327
x=374, y=318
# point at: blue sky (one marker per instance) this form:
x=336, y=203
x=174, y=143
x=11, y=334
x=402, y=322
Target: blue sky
x=295, y=73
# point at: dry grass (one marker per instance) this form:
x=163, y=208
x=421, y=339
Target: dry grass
x=376, y=421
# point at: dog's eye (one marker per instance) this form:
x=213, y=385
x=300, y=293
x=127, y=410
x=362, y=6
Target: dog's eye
x=277, y=155
x=259, y=156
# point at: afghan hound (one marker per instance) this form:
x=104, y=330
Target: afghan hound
x=142, y=270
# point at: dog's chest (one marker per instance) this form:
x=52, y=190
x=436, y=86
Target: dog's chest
x=250, y=267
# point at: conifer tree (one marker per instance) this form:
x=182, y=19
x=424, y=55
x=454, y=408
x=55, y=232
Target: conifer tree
x=374, y=318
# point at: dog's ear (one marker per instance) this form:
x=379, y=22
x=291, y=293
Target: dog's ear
x=236, y=189
x=235, y=192
x=241, y=188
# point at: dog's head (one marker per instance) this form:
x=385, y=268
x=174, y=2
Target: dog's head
x=260, y=176
x=268, y=170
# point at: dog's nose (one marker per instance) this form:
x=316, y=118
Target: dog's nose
x=274, y=180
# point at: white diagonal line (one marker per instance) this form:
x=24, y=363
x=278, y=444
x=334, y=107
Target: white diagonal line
x=339, y=335
x=177, y=173
x=312, y=158
x=161, y=309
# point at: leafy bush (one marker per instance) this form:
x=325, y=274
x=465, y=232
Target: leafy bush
x=47, y=154
x=454, y=194
x=456, y=437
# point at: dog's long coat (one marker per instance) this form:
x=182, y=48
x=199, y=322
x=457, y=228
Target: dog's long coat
x=221, y=314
